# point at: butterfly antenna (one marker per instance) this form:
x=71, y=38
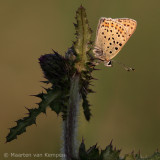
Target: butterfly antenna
x=124, y=66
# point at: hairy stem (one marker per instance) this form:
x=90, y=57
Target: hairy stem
x=70, y=124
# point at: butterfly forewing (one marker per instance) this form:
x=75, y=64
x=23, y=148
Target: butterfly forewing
x=129, y=24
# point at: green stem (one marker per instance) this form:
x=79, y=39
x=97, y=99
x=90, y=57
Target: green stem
x=70, y=124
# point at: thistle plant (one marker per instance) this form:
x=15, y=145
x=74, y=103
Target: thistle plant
x=70, y=77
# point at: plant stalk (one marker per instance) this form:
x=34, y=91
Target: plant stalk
x=70, y=124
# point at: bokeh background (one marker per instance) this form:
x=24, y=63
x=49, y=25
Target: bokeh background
x=126, y=105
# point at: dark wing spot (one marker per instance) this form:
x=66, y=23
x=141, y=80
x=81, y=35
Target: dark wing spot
x=120, y=44
x=112, y=38
x=102, y=32
x=108, y=38
x=116, y=48
x=107, y=46
x=111, y=30
x=118, y=35
x=104, y=36
x=117, y=42
x=110, y=51
x=110, y=43
x=114, y=42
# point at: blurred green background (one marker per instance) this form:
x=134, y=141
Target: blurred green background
x=126, y=105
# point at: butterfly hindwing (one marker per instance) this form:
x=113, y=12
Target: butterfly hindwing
x=112, y=34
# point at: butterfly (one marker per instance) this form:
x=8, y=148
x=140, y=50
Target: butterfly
x=111, y=36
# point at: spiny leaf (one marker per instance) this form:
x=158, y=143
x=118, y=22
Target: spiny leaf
x=86, y=108
x=155, y=156
x=93, y=153
x=82, y=152
x=110, y=154
x=82, y=44
x=23, y=123
x=56, y=107
x=85, y=90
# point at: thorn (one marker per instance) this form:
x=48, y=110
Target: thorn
x=139, y=152
x=96, y=69
x=132, y=152
x=46, y=82
x=57, y=115
x=44, y=112
x=82, y=140
x=26, y=108
x=94, y=78
x=73, y=42
x=54, y=51
x=34, y=122
x=81, y=7
x=111, y=142
x=96, y=145
x=44, y=88
x=75, y=24
x=119, y=150
x=16, y=121
x=92, y=91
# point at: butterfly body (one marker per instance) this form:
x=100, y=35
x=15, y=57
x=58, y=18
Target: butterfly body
x=111, y=36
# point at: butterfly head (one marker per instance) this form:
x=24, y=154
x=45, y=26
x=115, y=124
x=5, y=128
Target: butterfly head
x=108, y=63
